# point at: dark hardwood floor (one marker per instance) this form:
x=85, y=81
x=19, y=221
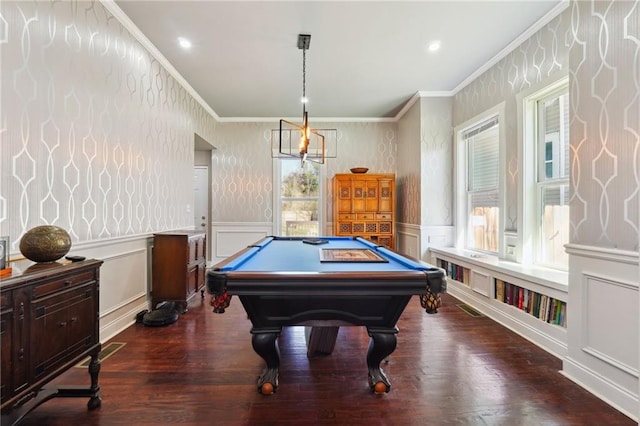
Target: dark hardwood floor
x=448, y=369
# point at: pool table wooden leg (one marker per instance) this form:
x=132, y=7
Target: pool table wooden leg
x=265, y=344
x=382, y=344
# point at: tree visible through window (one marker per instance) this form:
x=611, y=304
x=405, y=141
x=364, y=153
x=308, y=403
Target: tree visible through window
x=299, y=198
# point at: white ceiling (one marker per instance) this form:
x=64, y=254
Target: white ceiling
x=366, y=58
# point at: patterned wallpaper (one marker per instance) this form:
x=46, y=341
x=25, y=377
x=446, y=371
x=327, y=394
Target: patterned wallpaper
x=97, y=137
x=408, y=174
x=242, y=173
x=436, y=154
x=540, y=56
x=242, y=164
x=425, y=163
x=605, y=130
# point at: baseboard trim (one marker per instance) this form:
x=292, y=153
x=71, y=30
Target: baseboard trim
x=123, y=317
x=627, y=402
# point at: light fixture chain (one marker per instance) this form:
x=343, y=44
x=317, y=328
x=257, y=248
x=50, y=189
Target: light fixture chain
x=304, y=79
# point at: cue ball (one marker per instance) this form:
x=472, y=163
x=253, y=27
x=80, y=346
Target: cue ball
x=380, y=387
x=267, y=388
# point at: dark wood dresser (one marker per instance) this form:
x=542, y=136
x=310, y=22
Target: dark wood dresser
x=49, y=322
x=178, y=266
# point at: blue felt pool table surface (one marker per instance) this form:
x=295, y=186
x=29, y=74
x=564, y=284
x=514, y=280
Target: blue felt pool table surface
x=294, y=255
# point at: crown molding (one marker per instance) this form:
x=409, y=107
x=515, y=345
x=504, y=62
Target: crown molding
x=115, y=10
x=560, y=7
x=419, y=95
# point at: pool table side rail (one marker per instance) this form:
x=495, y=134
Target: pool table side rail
x=318, y=283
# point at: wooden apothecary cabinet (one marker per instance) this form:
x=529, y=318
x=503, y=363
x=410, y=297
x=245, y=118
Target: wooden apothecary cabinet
x=364, y=206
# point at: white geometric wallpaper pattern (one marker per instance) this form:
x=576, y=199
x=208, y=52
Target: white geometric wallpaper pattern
x=541, y=55
x=605, y=130
x=425, y=173
x=409, y=167
x=242, y=173
x=97, y=137
x=436, y=154
x=242, y=164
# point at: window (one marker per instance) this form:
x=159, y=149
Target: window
x=298, y=198
x=551, y=230
x=479, y=182
x=544, y=165
x=482, y=153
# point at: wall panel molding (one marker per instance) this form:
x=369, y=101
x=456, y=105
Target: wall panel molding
x=124, y=279
x=230, y=237
x=604, y=325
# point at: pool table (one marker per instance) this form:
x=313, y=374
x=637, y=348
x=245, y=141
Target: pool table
x=321, y=282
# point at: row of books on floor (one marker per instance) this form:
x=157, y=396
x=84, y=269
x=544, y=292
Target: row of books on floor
x=539, y=305
x=456, y=272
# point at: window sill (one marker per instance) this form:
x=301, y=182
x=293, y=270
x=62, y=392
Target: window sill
x=546, y=277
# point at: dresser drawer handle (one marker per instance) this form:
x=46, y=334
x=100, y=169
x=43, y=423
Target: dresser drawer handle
x=68, y=282
x=63, y=324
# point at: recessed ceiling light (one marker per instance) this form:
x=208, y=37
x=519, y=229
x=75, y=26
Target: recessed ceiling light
x=184, y=43
x=434, y=45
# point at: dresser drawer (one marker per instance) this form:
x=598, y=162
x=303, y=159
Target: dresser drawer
x=366, y=216
x=43, y=289
x=383, y=216
x=346, y=216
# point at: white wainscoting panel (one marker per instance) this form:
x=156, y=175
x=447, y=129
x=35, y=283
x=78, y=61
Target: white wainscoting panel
x=124, y=280
x=230, y=237
x=608, y=304
x=415, y=240
x=436, y=236
x=604, y=325
x=408, y=240
x=480, y=282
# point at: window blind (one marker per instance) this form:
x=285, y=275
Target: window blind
x=483, y=160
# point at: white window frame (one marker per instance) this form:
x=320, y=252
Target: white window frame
x=461, y=176
x=530, y=193
x=277, y=194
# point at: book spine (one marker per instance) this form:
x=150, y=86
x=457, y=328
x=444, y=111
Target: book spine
x=520, y=297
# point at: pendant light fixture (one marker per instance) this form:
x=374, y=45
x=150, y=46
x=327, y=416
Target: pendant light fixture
x=312, y=144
